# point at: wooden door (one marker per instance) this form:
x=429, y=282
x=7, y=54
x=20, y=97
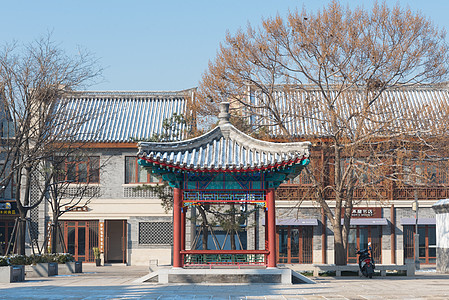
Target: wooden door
x=115, y=241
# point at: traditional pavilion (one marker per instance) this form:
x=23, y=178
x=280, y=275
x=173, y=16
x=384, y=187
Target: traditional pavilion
x=224, y=166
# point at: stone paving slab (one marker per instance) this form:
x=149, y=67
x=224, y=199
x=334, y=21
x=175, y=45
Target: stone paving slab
x=118, y=282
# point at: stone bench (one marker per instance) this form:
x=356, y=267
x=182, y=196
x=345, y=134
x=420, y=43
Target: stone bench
x=408, y=268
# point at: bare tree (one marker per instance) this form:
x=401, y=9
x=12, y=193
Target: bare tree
x=74, y=176
x=324, y=77
x=34, y=80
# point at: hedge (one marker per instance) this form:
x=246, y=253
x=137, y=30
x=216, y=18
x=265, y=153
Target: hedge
x=60, y=258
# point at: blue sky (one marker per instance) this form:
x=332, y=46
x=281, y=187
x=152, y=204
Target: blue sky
x=156, y=45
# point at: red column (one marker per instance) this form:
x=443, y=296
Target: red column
x=177, y=198
x=183, y=228
x=266, y=229
x=271, y=228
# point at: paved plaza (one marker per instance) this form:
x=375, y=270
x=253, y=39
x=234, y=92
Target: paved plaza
x=120, y=282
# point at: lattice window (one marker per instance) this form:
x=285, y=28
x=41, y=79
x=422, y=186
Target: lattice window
x=85, y=191
x=34, y=213
x=130, y=192
x=159, y=233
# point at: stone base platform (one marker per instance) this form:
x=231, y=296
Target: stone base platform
x=237, y=276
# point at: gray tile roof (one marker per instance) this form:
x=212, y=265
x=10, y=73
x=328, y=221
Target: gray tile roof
x=399, y=107
x=224, y=148
x=125, y=116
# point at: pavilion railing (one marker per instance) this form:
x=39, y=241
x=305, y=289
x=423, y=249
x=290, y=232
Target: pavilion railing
x=224, y=257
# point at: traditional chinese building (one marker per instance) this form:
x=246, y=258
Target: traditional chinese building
x=132, y=227
x=389, y=219
x=224, y=166
x=111, y=215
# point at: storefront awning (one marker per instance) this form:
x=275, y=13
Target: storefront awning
x=295, y=222
x=421, y=221
x=368, y=221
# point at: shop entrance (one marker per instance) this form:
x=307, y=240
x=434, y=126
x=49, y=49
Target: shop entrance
x=295, y=244
x=427, y=243
x=6, y=228
x=359, y=237
x=79, y=239
x=115, y=243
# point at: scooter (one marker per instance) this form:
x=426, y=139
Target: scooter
x=366, y=263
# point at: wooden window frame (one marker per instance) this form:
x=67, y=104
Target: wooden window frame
x=136, y=173
x=375, y=249
x=409, y=251
x=92, y=237
x=82, y=160
x=301, y=245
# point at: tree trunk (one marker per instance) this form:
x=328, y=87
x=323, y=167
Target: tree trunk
x=21, y=225
x=339, y=246
x=55, y=234
x=233, y=232
x=205, y=236
x=20, y=240
x=204, y=226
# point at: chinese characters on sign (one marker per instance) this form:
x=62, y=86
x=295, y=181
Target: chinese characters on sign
x=8, y=208
x=366, y=212
x=101, y=233
x=49, y=234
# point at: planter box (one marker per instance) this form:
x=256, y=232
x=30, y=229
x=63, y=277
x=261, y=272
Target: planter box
x=41, y=270
x=12, y=273
x=70, y=267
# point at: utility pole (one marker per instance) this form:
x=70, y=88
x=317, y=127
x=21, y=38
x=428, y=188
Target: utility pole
x=415, y=208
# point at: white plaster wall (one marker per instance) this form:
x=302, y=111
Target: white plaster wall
x=141, y=257
x=400, y=257
x=386, y=257
x=442, y=230
x=100, y=208
x=330, y=256
x=317, y=257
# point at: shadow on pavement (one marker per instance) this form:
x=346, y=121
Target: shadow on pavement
x=154, y=291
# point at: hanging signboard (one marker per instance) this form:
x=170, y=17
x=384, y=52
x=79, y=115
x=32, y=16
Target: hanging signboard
x=101, y=236
x=76, y=208
x=8, y=208
x=366, y=212
x=49, y=235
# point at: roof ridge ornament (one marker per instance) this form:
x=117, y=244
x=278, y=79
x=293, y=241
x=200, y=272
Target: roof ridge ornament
x=224, y=114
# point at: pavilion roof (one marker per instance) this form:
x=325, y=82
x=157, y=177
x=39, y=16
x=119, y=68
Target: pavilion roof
x=224, y=149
